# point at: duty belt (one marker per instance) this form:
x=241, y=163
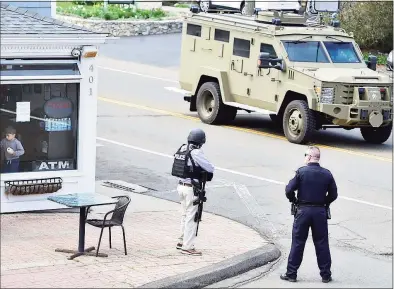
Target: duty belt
x=311, y=205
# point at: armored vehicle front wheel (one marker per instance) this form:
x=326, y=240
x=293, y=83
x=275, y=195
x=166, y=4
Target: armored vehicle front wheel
x=210, y=107
x=376, y=135
x=298, y=122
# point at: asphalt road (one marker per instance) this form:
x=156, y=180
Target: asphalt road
x=143, y=120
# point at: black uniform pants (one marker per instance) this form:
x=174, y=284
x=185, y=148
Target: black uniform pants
x=316, y=219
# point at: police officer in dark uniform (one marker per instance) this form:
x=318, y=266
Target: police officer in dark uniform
x=316, y=190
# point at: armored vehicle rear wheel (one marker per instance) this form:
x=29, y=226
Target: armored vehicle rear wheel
x=210, y=107
x=376, y=135
x=299, y=123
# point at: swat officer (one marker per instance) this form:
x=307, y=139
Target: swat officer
x=189, y=163
x=316, y=190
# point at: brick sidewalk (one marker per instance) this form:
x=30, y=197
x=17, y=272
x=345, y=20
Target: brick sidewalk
x=28, y=243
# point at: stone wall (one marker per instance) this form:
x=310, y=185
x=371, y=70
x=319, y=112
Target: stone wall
x=127, y=27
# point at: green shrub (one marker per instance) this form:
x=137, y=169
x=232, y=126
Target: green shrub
x=113, y=12
x=381, y=58
x=371, y=22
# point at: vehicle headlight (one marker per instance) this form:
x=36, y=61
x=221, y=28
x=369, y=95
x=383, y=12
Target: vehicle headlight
x=327, y=95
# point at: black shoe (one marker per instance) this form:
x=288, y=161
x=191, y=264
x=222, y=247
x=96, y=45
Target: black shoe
x=287, y=278
x=326, y=280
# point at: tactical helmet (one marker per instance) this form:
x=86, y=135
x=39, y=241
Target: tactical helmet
x=196, y=136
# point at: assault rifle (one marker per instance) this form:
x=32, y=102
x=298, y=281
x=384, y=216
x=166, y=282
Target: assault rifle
x=199, y=190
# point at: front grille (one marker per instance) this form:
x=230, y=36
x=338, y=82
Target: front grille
x=346, y=96
x=291, y=74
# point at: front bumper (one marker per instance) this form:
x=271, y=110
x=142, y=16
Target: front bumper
x=357, y=105
x=352, y=115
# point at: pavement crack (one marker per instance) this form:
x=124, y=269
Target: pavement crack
x=353, y=232
x=342, y=243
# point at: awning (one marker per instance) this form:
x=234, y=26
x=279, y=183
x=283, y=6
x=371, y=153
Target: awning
x=27, y=70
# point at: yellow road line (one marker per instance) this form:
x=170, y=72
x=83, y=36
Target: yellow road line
x=247, y=130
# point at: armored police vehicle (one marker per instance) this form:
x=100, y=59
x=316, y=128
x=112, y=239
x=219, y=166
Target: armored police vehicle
x=306, y=74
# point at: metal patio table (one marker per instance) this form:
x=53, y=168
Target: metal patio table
x=82, y=201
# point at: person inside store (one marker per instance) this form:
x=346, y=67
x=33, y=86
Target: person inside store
x=11, y=149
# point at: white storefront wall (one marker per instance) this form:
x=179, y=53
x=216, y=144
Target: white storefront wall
x=81, y=180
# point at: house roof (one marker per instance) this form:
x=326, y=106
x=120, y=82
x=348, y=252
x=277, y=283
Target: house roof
x=16, y=21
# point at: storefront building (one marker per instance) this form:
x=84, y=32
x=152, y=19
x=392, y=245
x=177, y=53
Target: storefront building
x=48, y=109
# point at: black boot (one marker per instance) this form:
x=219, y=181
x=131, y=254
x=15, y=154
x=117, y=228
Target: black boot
x=288, y=278
x=326, y=279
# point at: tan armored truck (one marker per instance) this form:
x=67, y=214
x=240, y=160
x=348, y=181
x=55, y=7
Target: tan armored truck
x=307, y=75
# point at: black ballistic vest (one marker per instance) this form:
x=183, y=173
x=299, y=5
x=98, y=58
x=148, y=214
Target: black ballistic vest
x=180, y=168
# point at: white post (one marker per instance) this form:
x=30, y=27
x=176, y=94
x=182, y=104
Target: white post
x=53, y=8
x=88, y=123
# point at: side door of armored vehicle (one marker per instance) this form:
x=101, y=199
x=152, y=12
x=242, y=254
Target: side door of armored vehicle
x=242, y=67
x=265, y=84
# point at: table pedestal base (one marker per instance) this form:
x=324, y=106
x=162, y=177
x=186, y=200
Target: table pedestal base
x=76, y=253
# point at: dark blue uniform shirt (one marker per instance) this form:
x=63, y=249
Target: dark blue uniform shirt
x=315, y=185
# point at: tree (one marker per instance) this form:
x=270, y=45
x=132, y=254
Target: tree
x=371, y=22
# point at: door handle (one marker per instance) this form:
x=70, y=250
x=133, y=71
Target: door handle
x=246, y=74
x=207, y=49
x=233, y=66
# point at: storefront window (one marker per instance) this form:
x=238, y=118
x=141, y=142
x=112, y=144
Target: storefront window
x=38, y=126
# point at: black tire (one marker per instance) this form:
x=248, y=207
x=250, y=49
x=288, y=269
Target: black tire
x=376, y=135
x=242, y=7
x=298, y=132
x=216, y=111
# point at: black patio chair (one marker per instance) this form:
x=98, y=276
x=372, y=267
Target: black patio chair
x=115, y=221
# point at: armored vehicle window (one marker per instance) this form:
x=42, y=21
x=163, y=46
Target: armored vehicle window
x=268, y=48
x=241, y=47
x=342, y=52
x=305, y=51
x=222, y=35
x=194, y=30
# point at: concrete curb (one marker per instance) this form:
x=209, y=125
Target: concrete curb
x=220, y=271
